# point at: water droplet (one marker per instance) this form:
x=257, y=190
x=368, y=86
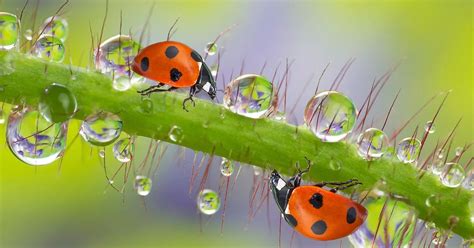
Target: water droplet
x=211, y=48
x=437, y=166
x=432, y=201
x=124, y=150
x=9, y=29
x=214, y=68
x=115, y=57
x=57, y=103
x=280, y=116
x=34, y=140
x=56, y=26
x=459, y=151
x=50, y=48
x=28, y=34
x=408, y=150
x=430, y=127
x=101, y=129
x=102, y=153
x=176, y=134
x=471, y=209
x=121, y=83
x=143, y=185
x=398, y=222
x=146, y=106
x=249, y=95
x=257, y=171
x=335, y=165
x=2, y=117
x=430, y=225
x=453, y=175
x=330, y=115
x=440, y=153
x=208, y=202
x=372, y=143
x=227, y=167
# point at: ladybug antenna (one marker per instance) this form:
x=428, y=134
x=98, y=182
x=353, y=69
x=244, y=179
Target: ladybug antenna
x=171, y=32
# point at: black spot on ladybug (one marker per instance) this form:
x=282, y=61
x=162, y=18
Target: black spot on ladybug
x=175, y=74
x=291, y=220
x=319, y=227
x=144, y=64
x=171, y=52
x=196, y=56
x=316, y=200
x=351, y=215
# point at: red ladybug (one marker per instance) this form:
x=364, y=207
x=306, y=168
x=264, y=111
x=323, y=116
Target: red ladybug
x=174, y=64
x=315, y=212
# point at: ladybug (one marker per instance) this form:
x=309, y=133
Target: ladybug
x=176, y=65
x=315, y=212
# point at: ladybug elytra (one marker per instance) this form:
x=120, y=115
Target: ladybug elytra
x=315, y=212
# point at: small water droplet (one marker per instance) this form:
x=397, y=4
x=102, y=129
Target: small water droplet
x=372, y=143
x=34, y=140
x=28, y=34
x=143, y=185
x=257, y=171
x=437, y=166
x=330, y=115
x=124, y=150
x=102, y=153
x=408, y=150
x=56, y=26
x=430, y=127
x=430, y=225
x=432, y=201
x=146, y=106
x=2, y=117
x=211, y=48
x=208, y=202
x=335, y=165
x=227, y=167
x=214, y=68
x=249, y=95
x=115, y=58
x=440, y=153
x=50, y=48
x=453, y=175
x=57, y=103
x=9, y=29
x=459, y=151
x=176, y=134
x=280, y=116
x=101, y=129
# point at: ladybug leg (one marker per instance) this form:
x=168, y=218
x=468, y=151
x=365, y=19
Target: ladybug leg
x=322, y=184
x=192, y=92
x=343, y=187
x=154, y=88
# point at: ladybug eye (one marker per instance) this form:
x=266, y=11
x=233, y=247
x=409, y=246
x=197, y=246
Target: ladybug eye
x=144, y=63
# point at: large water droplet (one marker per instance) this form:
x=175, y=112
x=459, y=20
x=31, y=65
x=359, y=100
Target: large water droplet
x=372, y=143
x=408, y=150
x=330, y=115
x=176, y=134
x=123, y=150
x=57, y=103
x=208, y=202
x=430, y=127
x=9, y=30
x=34, y=140
x=55, y=26
x=227, y=167
x=101, y=129
x=115, y=57
x=396, y=229
x=50, y=48
x=453, y=175
x=143, y=185
x=249, y=95
x=211, y=48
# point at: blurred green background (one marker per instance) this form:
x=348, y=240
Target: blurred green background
x=73, y=207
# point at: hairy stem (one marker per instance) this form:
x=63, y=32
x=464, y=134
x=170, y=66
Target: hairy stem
x=209, y=127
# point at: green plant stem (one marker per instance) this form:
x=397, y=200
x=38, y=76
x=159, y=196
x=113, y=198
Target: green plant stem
x=210, y=128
